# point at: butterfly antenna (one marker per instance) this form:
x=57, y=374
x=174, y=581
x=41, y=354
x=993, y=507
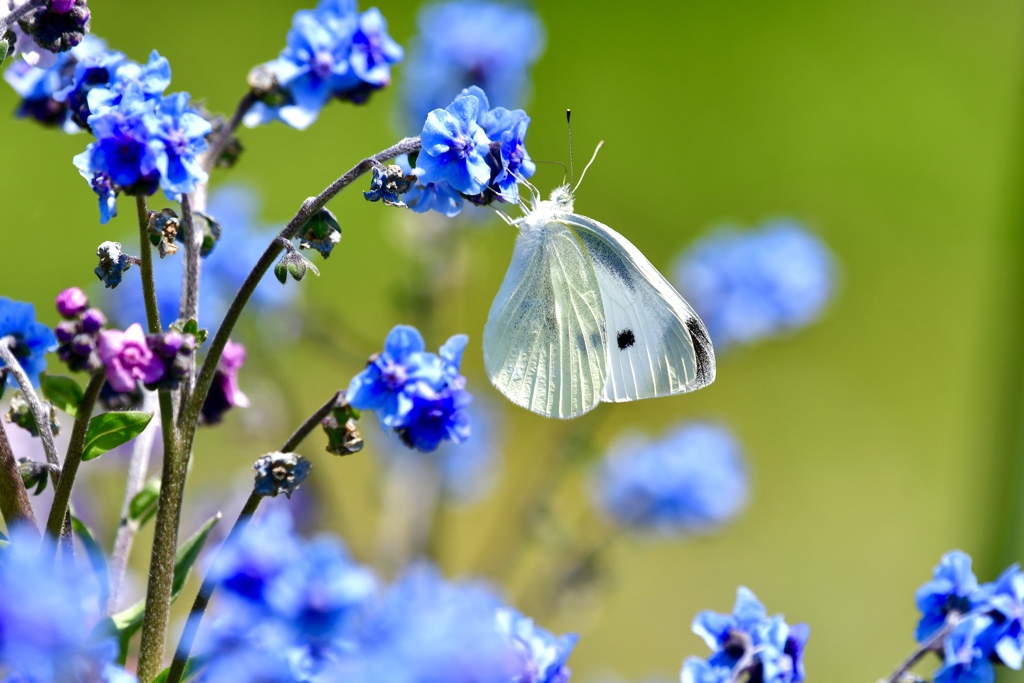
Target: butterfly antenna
x=598, y=149
x=568, y=124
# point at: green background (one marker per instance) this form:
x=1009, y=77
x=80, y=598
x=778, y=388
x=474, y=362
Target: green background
x=879, y=438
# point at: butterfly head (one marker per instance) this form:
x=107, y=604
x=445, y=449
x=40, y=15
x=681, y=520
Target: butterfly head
x=563, y=198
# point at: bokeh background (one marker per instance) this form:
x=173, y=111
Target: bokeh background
x=878, y=438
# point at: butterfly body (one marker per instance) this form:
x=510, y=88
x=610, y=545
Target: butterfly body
x=583, y=317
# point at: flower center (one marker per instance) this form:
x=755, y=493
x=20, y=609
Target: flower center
x=323, y=62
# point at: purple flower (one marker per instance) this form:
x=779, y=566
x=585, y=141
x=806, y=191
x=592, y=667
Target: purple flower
x=455, y=147
x=32, y=340
x=71, y=302
x=128, y=358
x=224, y=393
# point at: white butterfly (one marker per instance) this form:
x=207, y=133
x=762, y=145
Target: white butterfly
x=583, y=317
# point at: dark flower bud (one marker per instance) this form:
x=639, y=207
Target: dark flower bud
x=83, y=344
x=59, y=26
x=210, y=230
x=343, y=437
x=280, y=473
x=93, y=320
x=113, y=263
x=295, y=264
x=321, y=232
x=65, y=331
x=111, y=399
x=175, y=349
x=163, y=231
x=33, y=474
x=232, y=148
x=20, y=413
x=71, y=302
x=388, y=183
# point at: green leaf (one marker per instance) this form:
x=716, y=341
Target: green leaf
x=143, y=505
x=110, y=430
x=192, y=667
x=63, y=392
x=96, y=557
x=127, y=622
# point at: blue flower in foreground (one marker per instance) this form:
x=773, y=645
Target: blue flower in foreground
x=419, y=394
x=542, y=655
x=693, y=480
x=965, y=658
x=455, y=147
x=463, y=43
x=32, y=340
x=751, y=285
x=102, y=81
x=769, y=649
x=332, y=52
x=44, y=629
x=178, y=133
x=422, y=197
x=953, y=588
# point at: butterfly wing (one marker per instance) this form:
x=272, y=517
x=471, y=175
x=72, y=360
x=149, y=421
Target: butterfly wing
x=656, y=344
x=544, y=342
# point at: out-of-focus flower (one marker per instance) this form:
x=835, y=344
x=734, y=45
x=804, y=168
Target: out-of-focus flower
x=332, y=52
x=465, y=42
x=542, y=655
x=127, y=358
x=755, y=284
x=56, y=26
x=224, y=393
x=764, y=648
x=419, y=394
x=43, y=633
x=965, y=658
x=32, y=339
x=953, y=588
x=691, y=481
x=1006, y=598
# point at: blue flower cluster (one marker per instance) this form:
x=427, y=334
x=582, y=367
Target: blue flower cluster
x=693, y=480
x=333, y=52
x=467, y=42
x=242, y=241
x=747, y=645
x=470, y=151
x=985, y=623
x=293, y=610
x=420, y=395
x=751, y=285
x=44, y=633
x=32, y=339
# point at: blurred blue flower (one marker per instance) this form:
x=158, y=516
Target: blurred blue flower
x=455, y=147
x=1006, y=600
x=463, y=43
x=965, y=659
x=43, y=633
x=32, y=339
x=242, y=242
x=542, y=655
x=765, y=648
x=751, y=285
x=691, y=481
x=332, y=52
x=953, y=588
x=420, y=395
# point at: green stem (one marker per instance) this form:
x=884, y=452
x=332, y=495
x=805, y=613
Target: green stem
x=14, y=503
x=309, y=207
x=146, y=264
x=933, y=642
x=311, y=423
x=73, y=458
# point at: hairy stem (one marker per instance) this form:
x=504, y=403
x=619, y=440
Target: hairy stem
x=930, y=644
x=73, y=458
x=146, y=264
x=190, y=288
x=39, y=413
x=142, y=448
x=17, y=13
x=209, y=159
x=311, y=423
x=308, y=209
x=14, y=503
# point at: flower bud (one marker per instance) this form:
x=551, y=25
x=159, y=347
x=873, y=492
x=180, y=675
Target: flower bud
x=33, y=474
x=20, y=413
x=113, y=263
x=280, y=473
x=71, y=302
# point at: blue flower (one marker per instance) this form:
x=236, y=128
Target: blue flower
x=422, y=197
x=102, y=82
x=965, y=659
x=542, y=655
x=455, y=147
x=953, y=588
x=32, y=340
x=178, y=135
x=697, y=670
x=693, y=480
x=332, y=52
x=45, y=619
x=748, y=286
x=431, y=416
x=1006, y=603
x=379, y=386
x=769, y=649
x=464, y=43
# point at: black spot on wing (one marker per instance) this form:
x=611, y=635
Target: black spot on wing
x=625, y=339
x=701, y=345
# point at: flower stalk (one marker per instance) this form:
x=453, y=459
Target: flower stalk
x=15, y=505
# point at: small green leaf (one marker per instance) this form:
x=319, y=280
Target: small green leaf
x=63, y=392
x=192, y=667
x=110, y=430
x=96, y=557
x=143, y=505
x=4, y=49
x=127, y=622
